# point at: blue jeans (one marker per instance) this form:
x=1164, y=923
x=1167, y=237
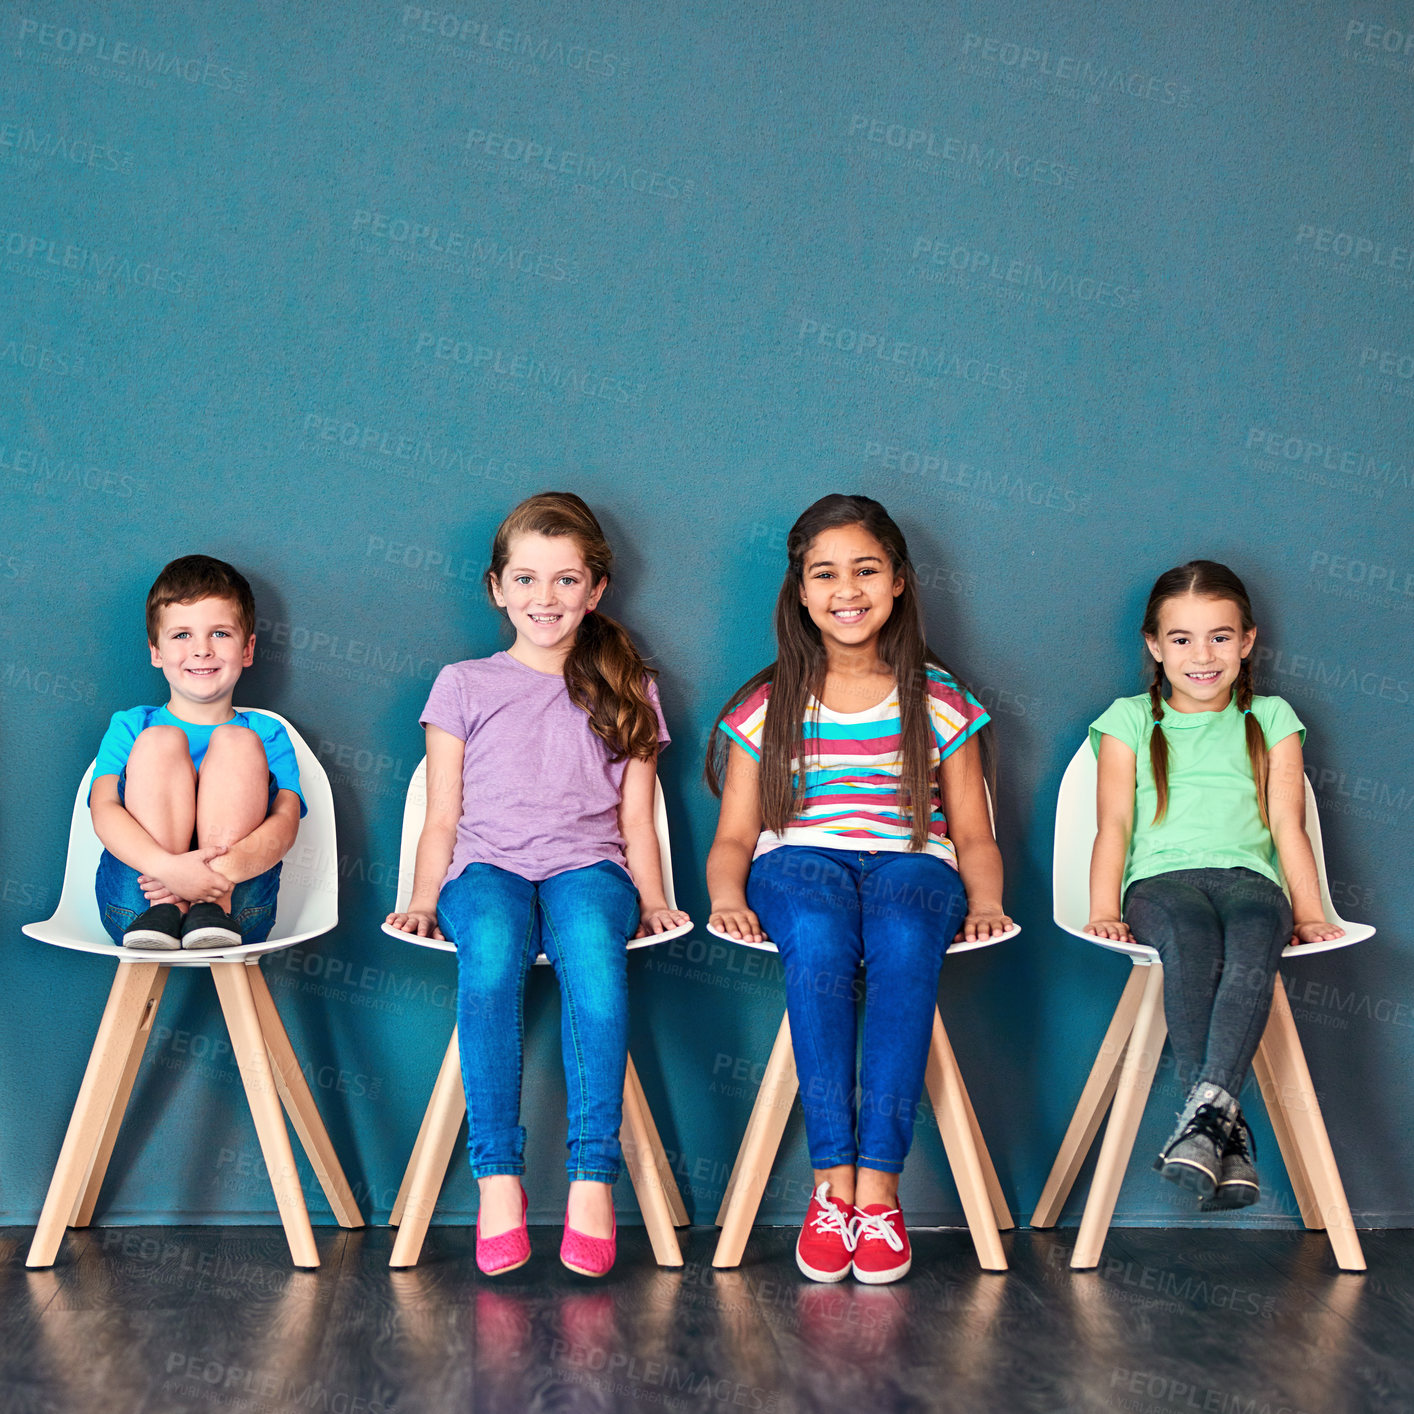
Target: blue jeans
x=120, y=900
x=500, y=922
x=828, y=911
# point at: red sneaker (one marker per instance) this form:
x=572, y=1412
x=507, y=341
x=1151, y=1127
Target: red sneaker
x=824, y=1249
x=881, y=1250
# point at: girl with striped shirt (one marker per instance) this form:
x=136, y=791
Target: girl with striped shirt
x=854, y=830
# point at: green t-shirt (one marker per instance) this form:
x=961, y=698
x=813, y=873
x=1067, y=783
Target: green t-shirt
x=1212, y=821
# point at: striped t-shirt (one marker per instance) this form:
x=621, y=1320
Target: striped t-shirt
x=854, y=762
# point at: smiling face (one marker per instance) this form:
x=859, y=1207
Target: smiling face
x=1201, y=644
x=202, y=648
x=546, y=589
x=848, y=586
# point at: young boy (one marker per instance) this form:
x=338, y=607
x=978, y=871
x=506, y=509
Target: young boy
x=195, y=803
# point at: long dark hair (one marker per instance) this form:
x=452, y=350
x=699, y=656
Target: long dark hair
x=799, y=672
x=604, y=672
x=1209, y=580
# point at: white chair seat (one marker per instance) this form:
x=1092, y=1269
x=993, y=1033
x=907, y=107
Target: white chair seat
x=1075, y=836
x=168, y=957
x=766, y=945
x=446, y=945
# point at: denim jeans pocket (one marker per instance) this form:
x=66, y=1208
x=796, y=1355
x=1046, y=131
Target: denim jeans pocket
x=117, y=919
x=255, y=922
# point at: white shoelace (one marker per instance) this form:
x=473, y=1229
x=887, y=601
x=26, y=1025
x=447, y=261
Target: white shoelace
x=876, y=1225
x=829, y=1218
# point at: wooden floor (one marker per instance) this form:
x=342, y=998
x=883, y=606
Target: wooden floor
x=1175, y=1321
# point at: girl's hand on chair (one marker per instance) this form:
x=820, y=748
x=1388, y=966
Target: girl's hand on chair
x=1317, y=932
x=739, y=923
x=659, y=920
x=422, y=925
x=1112, y=928
x=983, y=923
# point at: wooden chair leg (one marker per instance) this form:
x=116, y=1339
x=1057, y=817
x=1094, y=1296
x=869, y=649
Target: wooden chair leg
x=1294, y=1093
x=758, y=1150
x=82, y=1214
x=1136, y=1077
x=660, y=1159
x=944, y=1083
x=299, y=1105
x=248, y=1042
x=1094, y=1101
x=1000, y=1210
x=427, y=1170
x=772, y=1066
x=1290, y=1154
x=124, y=1014
x=396, y=1216
x=641, y=1161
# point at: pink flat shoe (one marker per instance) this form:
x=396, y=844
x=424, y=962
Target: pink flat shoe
x=589, y=1256
x=507, y=1250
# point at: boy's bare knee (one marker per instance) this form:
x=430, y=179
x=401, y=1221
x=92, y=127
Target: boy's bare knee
x=166, y=744
x=231, y=739
x=234, y=753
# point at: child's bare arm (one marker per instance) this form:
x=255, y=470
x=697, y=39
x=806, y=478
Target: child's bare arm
x=729, y=860
x=1114, y=818
x=265, y=846
x=640, y=834
x=1286, y=809
x=979, y=861
x=187, y=876
x=445, y=753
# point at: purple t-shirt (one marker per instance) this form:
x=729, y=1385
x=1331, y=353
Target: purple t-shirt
x=539, y=792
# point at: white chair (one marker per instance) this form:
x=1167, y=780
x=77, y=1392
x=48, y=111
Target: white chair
x=983, y=1203
x=1124, y=1070
x=307, y=907
x=647, y=1164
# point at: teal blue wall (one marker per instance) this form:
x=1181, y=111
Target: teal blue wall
x=1078, y=292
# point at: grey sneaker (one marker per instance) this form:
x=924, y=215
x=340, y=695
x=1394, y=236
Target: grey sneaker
x=1237, y=1184
x=1193, y=1156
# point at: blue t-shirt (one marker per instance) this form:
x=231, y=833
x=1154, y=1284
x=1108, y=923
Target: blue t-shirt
x=123, y=729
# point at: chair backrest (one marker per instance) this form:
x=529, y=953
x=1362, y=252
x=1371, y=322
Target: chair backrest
x=309, y=881
x=1075, y=839
x=415, y=813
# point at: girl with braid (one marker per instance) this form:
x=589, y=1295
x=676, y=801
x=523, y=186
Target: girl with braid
x=1202, y=853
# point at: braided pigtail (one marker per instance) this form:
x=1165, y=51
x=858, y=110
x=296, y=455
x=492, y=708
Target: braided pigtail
x=1158, y=744
x=1256, y=741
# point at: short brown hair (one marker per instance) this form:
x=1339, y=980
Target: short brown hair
x=194, y=577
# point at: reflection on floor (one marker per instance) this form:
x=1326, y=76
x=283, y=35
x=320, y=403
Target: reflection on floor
x=215, y=1320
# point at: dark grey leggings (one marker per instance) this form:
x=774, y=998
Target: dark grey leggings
x=1219, y=934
